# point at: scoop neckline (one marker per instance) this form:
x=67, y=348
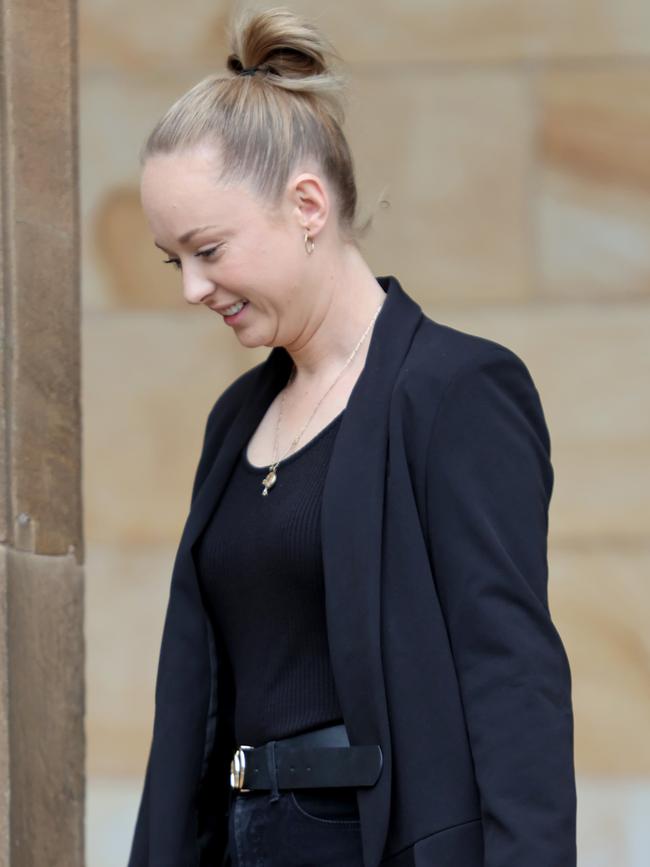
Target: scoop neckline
x=294, y=455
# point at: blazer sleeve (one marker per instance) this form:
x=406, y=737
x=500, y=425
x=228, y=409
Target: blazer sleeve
x=182, y=609
x=489, y=484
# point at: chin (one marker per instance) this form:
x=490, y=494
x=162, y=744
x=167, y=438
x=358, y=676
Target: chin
x=251, y=343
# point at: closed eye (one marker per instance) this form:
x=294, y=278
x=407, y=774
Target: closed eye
x=204, y=253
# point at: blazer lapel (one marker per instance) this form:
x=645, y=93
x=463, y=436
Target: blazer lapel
x=352, y=531
x=351, y=526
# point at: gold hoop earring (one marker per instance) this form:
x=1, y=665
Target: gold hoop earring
x=309, y=243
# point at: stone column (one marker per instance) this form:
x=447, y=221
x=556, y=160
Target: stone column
x=42, y=698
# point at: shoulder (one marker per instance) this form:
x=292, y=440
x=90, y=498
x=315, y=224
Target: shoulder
x=233, y=396
x=465, y=378
x=219, y=418
x=441, y=354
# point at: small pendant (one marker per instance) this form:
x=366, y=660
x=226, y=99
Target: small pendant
x=268, y=482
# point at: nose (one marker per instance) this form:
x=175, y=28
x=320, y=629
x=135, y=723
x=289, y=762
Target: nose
x=196, y=288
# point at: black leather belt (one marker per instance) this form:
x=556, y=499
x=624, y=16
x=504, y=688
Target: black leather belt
x=319, y=758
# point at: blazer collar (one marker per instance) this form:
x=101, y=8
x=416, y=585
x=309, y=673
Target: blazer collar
x=351, y=526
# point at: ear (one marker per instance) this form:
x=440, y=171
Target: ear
x=310, y=200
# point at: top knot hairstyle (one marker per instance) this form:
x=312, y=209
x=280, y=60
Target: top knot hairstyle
x=279, y=102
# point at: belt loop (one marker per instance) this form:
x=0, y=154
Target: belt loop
x=273, y=770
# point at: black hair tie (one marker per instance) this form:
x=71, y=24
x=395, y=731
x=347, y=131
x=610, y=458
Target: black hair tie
x=250, y=71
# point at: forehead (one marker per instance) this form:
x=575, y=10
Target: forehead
x=185, y=177
x=179, y=192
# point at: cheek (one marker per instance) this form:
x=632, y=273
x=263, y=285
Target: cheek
x=282, y=247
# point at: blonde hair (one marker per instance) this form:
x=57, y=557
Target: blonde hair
x=266, y=123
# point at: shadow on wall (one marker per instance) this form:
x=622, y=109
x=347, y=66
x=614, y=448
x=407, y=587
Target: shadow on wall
x=136, y=277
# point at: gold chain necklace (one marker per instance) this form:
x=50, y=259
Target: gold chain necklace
x=271, y=477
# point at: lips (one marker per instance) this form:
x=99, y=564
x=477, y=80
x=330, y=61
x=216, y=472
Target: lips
x=223, y=309
x=230, y=319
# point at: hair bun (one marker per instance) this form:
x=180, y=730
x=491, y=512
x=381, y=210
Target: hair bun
x=278, y=42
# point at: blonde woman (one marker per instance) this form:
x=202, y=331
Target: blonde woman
x=358, y=665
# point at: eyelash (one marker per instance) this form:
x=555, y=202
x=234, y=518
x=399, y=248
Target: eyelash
x=204, y=253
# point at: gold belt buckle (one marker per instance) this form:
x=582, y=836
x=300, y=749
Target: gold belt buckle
x=238, y=767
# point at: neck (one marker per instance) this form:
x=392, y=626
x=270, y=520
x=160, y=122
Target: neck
x=346, y=304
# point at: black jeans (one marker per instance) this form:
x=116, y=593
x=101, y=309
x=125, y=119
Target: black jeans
x=298, y=828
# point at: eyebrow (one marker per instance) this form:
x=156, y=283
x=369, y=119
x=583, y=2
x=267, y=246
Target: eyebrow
x=187, y=236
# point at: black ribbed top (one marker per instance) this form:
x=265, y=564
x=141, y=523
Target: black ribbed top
x=259, y=560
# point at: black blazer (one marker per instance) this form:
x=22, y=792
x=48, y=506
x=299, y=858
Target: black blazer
x=434, y=533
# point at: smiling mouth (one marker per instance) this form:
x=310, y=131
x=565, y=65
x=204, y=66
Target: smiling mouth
x=230, y=317
x=234, y=308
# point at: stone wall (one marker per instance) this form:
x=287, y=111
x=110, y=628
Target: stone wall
x=513, y=138
x=42, y=694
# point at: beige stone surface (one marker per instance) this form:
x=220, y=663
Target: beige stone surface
x=46, y=701
x=591, y=366
x=132, y=36
x=452, y=151
x=598, y=523
x=42, y=737
x=126, y=598
x=135, y=37
x=600, y=597
x=150, y=380
x=40, y=297
x=519, y=210
x=613, y=828
x=487, y=30
x=5, y=757
x=594, y=186
x=121, y=268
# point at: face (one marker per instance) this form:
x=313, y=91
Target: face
x=246, y=253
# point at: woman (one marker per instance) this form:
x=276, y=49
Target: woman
x=358, y=665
